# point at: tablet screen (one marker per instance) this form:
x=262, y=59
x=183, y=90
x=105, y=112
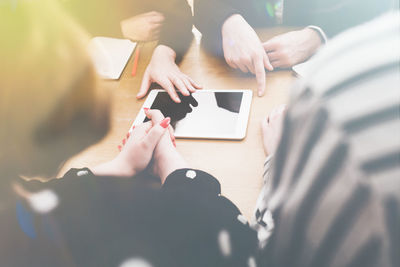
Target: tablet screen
x=203, y=112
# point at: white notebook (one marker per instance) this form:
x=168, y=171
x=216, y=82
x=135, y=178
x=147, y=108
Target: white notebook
x=110, y=55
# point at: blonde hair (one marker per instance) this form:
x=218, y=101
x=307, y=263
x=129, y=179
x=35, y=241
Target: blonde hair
x=44, y=62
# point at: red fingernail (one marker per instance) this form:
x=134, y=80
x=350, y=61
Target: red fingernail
x=173, y=141
x=128, y=135
x=146, y=109
x=124, y=141
x=165, y=122
x=119, y=148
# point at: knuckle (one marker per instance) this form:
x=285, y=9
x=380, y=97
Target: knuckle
x=254, y=53
x=247, y=60
x=175, y=80
x=144, y=145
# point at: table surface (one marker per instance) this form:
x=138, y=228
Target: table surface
x=238, y=165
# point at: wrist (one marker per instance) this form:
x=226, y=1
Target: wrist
x=168, y=162
x=165, y=51
x=116, y=167
x=231, y=20
x=314, y=35
x=312, y=43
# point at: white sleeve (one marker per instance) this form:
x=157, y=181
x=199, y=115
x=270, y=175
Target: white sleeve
x=320, y=32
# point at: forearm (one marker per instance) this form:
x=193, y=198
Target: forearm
x=168, y=165
x=176, y=31
x=113, y=168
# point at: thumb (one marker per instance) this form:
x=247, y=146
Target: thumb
x=153, y=137
x=267, y=63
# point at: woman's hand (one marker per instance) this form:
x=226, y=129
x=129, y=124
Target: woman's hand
x=291, y=48
x=163, y=70
x=166, y=158
x=243, y=49
x=271, y=128
x=137, y=151
x=143, y=27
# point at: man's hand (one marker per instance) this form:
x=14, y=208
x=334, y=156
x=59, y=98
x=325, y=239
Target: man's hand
x=243, y=49
x=143, y=27
x=163, y=70
x=291, y=48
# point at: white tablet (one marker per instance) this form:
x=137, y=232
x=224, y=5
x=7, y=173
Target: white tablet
x=210, y=114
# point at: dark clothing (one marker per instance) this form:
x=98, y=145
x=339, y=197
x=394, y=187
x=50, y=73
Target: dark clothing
x=105, y=221
x=332, y=16
x=103, y=17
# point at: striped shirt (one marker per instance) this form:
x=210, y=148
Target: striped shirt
x=332, y=190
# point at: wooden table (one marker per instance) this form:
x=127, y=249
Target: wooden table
x=236, y=164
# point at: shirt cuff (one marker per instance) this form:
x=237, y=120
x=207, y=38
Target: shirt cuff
x=192, y=180
x=320, y=32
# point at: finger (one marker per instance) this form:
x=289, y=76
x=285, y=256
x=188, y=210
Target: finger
x=154, y=115
x=141, y=130
x=153, y=137
x=154, y=14
x=260, y=76
x=157, y=19
x=267, y=63
x=277, y=63
x=242, y=67
x=229, y=61
x=144, y=87
x=273, y=56
x=248, y=63
x=251, y=69
x=231, y=64
x=156, y=32
x=196, y=85
x=188, y=85
x=270, y=45
x=177, y=81
x=168, y=86
x=155, y=27
x=171, y=134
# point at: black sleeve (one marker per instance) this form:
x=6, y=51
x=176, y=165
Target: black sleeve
x=202, y=219
x=186, y=222
x=176, y=32
x=209, y=16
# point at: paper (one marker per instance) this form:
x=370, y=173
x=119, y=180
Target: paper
x=110, y=55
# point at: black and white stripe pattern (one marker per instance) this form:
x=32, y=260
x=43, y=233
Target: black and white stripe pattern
x=334, y=185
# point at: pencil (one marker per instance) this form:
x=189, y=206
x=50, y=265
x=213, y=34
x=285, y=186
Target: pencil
x=135, y=61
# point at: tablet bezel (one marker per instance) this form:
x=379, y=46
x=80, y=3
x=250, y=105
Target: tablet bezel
x=241, y=127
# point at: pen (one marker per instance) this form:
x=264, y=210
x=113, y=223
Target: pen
x=135, y=61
